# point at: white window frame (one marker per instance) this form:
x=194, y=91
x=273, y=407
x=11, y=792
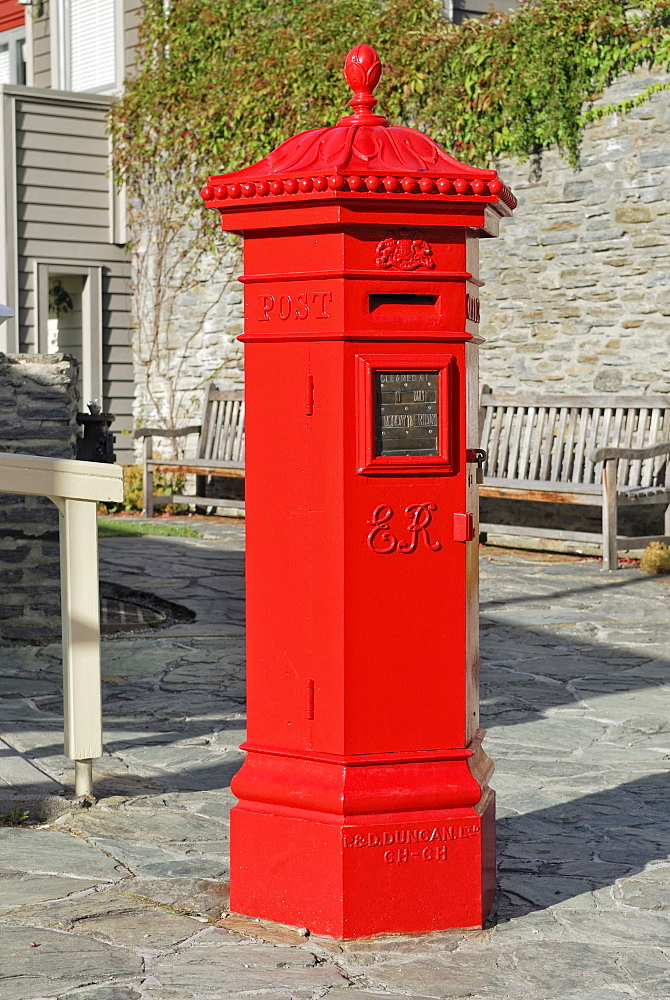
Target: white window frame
x=60, y=66
x=12, y=37
x=91, y=319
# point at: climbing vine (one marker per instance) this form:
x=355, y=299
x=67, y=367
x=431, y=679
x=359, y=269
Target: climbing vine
x=219, y=83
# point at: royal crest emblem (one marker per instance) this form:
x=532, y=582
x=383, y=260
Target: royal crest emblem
x=405, y=251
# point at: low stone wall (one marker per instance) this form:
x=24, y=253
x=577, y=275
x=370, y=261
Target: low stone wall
x=38, y=406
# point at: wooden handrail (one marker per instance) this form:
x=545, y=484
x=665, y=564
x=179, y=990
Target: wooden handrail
x=74, y=487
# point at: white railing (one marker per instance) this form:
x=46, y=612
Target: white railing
x=74, y=487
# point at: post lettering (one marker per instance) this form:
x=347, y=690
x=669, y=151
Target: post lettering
x=267, y=305
x=284, y=306
x=295, y=307
x=301, y=307
x=324, y=297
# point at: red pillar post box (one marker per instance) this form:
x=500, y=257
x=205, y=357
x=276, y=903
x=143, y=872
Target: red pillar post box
x=364, y=804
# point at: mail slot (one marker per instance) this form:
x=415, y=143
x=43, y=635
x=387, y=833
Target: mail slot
x=404, y=301
x=363, y=802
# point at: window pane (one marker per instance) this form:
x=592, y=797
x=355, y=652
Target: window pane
x=92, y=54
x=5, y=65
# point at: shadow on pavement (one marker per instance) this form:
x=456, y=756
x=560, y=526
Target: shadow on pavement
x=556, y=854
x=593, y=587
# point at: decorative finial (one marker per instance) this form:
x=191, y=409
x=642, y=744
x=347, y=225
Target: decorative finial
x=362, y=71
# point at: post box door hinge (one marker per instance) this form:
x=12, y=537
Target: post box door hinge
x=464, y=527
x=310, y=395
x=310, y=699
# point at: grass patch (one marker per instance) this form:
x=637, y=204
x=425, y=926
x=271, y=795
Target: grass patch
x=117, y=527
x=15, y=817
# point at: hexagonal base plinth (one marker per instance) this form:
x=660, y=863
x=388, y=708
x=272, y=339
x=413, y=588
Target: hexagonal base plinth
x=354, y=876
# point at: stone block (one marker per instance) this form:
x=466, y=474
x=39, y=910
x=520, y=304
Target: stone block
x=608, y=381
x=632, y=214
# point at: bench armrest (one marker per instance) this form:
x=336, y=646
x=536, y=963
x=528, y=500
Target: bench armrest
x=144, y=432
x=605, y=454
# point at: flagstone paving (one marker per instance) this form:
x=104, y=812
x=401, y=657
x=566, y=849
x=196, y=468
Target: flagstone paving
x=127, y=900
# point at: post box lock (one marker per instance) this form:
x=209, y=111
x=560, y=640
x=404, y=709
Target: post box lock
x=479, y=456
x=464, y=527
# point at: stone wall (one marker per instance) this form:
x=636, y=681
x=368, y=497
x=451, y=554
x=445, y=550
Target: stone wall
x=205, y=320
x=577, y=296
x=577, y=285
x=38, y=406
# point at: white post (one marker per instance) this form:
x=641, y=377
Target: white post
x=74, y=487
x=82, y=700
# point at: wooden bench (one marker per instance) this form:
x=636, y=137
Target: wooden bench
x=219, y=452
x=604, y=451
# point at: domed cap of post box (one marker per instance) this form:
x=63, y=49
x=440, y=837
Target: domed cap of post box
x=363, y=156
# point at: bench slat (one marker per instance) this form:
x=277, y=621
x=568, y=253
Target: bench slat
x=223, y=409
x=626, y=441
x=506, y=489
x=635, y=467
x=507, y=439
x=221, y=428
x=580, y=447
x=206, y=413
x=495, y=438
x=569, y=452
x=534, y=463
x=557, y=447
x=589, y=466
x=185, y=498
x=217, y=407
x=525, y=445
x=194, y=466
x=516, y=428
x=548, y=442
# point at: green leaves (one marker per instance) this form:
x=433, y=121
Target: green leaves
x=220, y=83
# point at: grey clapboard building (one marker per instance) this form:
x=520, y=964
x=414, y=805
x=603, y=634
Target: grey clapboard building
x=64, y=268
